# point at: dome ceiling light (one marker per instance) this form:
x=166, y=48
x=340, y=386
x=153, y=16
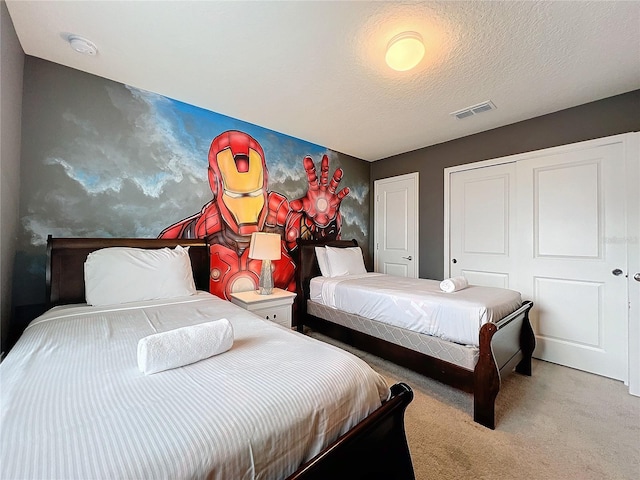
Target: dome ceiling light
x=405, y=51
x=82, y=45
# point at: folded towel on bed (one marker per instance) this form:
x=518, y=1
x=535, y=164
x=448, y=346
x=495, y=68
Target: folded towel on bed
x=182, y=346
x=453, y=284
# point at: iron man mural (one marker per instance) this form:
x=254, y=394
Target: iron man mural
x=242, y=204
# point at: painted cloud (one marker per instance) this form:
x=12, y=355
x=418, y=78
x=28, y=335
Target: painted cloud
x=132, y=163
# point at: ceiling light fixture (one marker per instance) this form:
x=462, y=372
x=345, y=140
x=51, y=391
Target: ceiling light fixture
x=82, y=45
x=405, y=51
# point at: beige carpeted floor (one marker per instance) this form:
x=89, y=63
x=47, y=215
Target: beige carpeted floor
x=558, y=424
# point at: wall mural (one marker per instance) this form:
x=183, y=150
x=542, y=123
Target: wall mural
x=242, y=204
x=103, y=159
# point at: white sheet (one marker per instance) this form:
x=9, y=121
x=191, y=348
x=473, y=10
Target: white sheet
x=417, y=304
x=74, y=404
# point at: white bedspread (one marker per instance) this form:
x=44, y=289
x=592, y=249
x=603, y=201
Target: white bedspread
x=417, y=304
x=75, y=406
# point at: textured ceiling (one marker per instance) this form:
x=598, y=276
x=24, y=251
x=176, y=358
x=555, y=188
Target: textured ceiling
x=316, y=71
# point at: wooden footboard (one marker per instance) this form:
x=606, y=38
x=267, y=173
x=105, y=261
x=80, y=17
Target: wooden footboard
x=501, y=349
x=375, y=448
x=504, y=345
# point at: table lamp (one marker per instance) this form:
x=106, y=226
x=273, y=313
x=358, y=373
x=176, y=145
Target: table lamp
x=265, y=247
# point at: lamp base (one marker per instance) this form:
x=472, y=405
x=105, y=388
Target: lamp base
x=265, y=283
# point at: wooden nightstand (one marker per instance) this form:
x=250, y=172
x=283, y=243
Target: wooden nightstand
x=275, y=307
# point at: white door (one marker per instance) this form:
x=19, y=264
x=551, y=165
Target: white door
x=552, y=226
x=572, y=231
x=396, y=225
x=482, y=209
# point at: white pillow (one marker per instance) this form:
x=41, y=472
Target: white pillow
x=122, y=274
x=345, y=261
x=323, y=262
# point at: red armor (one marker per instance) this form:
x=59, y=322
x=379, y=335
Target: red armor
x=242, y=205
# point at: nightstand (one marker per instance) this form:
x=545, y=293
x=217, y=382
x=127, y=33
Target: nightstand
x=275, y=307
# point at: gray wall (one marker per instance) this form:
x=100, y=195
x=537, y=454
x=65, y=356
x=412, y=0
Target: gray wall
x=610, y=116
x=11, y=67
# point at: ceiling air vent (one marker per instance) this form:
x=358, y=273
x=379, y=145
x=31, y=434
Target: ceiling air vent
x=474, y=110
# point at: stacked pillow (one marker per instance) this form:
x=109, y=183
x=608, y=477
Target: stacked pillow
x=337, y=262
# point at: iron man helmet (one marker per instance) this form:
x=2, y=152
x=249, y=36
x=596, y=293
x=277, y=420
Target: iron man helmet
x=238, y=179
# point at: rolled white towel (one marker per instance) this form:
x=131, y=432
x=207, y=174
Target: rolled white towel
x=182, y=346
x=453, y=284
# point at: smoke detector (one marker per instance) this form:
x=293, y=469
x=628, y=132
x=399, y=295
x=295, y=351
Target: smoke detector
x=82, y=45
x=474, y=110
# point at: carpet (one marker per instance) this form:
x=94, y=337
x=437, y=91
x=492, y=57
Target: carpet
x=558, y=424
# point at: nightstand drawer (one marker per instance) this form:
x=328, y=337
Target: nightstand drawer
x=280, y=315
x=276, y=307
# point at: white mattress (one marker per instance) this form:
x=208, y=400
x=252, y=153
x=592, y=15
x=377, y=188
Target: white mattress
x=74, y=404
x=417, y=304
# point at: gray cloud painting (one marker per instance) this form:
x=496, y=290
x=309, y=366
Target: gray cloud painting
x=102, y=159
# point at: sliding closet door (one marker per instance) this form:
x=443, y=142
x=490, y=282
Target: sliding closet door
x=571, y=211
x=483, y=225
x=551, y=224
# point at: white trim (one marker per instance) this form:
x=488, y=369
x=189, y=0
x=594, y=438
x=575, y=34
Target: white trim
x=446, y=271
x=416, y=181
x=632, y=154
x=621, y=138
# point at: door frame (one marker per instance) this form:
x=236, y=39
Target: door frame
x=631, y=142
x=632, y=154
x=416, y=181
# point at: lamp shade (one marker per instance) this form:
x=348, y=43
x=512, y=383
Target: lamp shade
x=265, y=246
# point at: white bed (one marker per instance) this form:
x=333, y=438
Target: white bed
x=80, y=399
x=74, y=404
x=417, y=305
x=468, y=339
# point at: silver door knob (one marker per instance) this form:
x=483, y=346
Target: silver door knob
x=636, y=277
x=407, y=258
x=617, y=272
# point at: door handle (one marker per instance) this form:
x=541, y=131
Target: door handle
x=617, y=272
x=407, y=258
x=636, y=277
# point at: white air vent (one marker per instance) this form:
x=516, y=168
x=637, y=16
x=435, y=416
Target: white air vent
x=474, y=110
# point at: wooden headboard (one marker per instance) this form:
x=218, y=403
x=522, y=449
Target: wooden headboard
x=308, y=267
x=66, y=257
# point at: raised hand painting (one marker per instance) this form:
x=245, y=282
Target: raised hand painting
x=242, y=204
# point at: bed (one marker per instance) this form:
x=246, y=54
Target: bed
x=75, y=405
x=475, y=365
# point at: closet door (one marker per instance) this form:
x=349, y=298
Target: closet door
x=551, y=224
x=571, y=212
x=483, y=225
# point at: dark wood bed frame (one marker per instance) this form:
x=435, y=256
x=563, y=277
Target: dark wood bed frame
x=376, y=448
x=504, y=346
